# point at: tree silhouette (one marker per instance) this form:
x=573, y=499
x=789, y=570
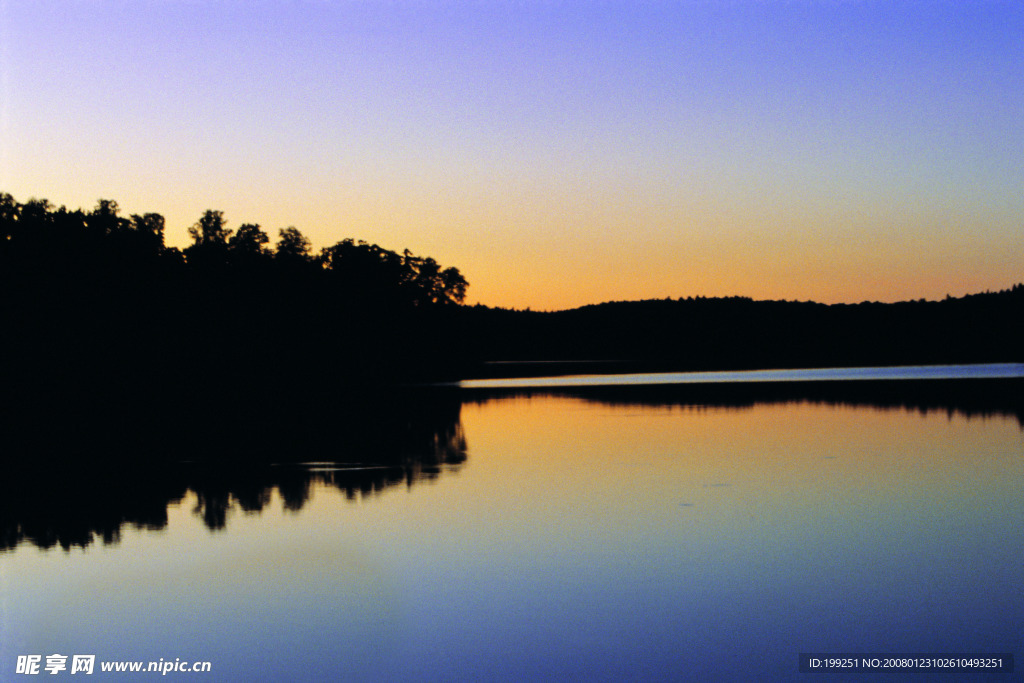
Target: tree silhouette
x=210, y=230
x=150, y=230
x=104, y=219
x=372, y=273
x=454, y=285
x=292, y=246
x=247, y=243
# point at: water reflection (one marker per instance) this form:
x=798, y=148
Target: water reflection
x=639, y=535
x=71, y=501
x=990, y=397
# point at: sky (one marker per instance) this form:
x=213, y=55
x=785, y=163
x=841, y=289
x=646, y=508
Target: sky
x=557, y=152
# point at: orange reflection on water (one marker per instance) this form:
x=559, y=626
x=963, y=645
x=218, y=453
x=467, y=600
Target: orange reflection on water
x=770, y=473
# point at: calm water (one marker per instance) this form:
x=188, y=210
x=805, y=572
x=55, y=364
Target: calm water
x=589, y=536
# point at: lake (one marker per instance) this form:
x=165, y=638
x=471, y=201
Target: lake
x=672, y=531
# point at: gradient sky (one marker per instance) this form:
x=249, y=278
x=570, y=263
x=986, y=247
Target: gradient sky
x=558, y=152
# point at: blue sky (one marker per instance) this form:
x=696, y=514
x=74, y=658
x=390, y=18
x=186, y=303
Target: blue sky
x=558, y=152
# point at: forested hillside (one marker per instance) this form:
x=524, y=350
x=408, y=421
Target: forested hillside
x=740, y=333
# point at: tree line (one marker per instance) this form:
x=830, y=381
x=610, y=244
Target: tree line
x=110, y=333
x=739, y=333
x=113, y=337
x=61, y=245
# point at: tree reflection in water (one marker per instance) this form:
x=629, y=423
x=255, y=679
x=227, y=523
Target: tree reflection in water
x=972, y=398
x=366, y=446
x=72, y=500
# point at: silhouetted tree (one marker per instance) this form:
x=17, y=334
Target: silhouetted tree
x=292, y=245
x=454, y=285
x=209, y=248
x=150, y=229
x=8, y=212
x=248, y=242
x=210, y=230
x=371, y=273
x=104, y=219
x=36, y=212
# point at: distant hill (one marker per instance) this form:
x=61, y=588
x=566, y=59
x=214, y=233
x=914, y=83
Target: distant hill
x=741, y=333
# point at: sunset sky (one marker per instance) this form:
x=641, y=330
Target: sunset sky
x=558, y=152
